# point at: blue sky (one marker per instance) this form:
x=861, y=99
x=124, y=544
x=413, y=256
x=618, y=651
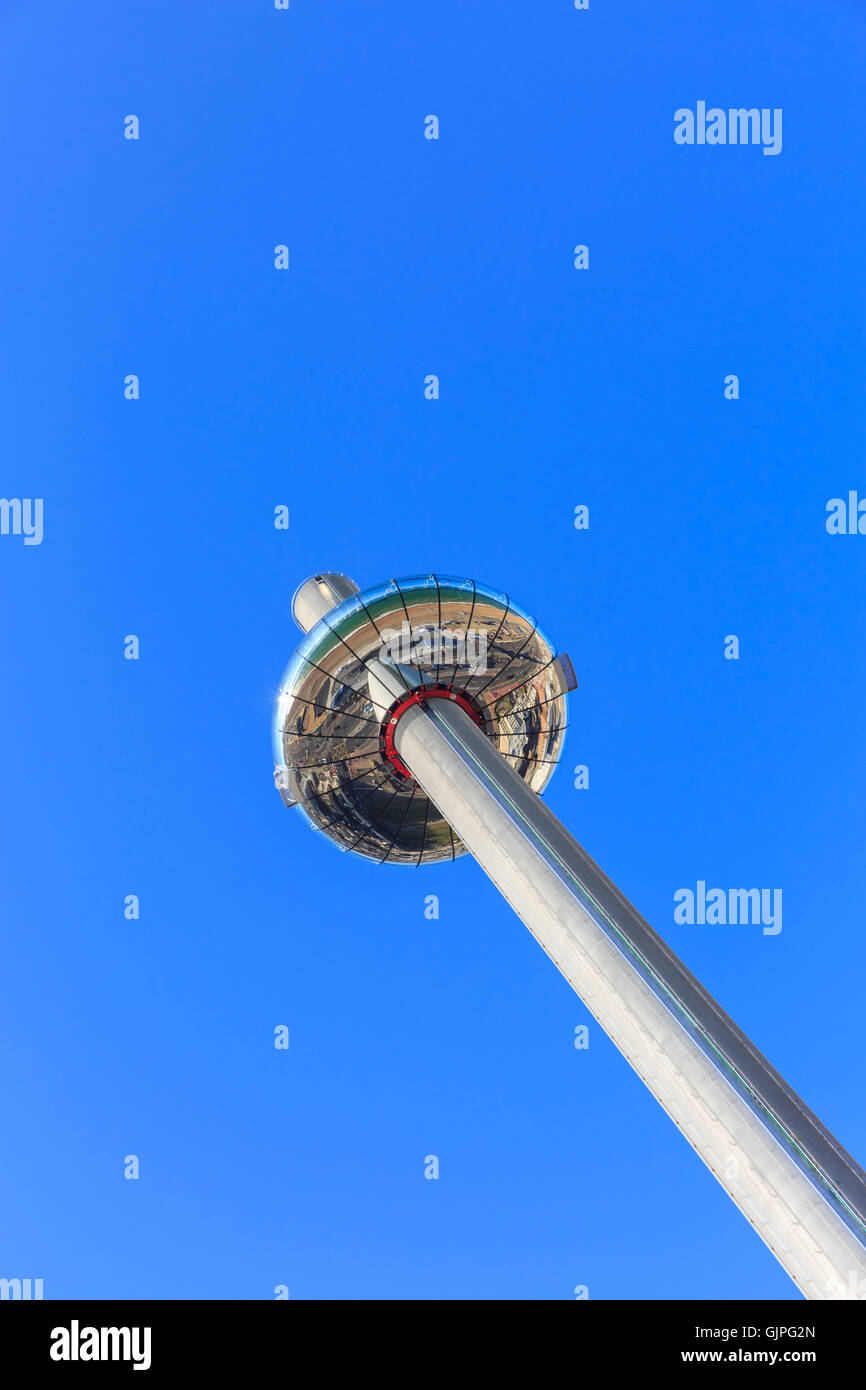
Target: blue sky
x=306, y=388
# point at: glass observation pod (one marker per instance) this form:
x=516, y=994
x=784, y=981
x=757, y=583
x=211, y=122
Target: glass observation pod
x=441, y=637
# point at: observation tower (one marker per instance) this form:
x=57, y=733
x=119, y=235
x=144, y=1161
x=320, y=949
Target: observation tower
x=420, y=720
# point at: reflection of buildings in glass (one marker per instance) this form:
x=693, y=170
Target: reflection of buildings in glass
x=281, y=779
x=530, y=723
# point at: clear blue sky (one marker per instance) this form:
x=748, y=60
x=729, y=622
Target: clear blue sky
x=305, y=388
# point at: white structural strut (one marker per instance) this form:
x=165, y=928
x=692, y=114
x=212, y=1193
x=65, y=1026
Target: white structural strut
x=804, y=1195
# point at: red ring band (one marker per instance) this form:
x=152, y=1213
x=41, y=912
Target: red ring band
x=418, y=697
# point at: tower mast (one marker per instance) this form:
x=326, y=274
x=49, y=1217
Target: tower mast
x=365, y=742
